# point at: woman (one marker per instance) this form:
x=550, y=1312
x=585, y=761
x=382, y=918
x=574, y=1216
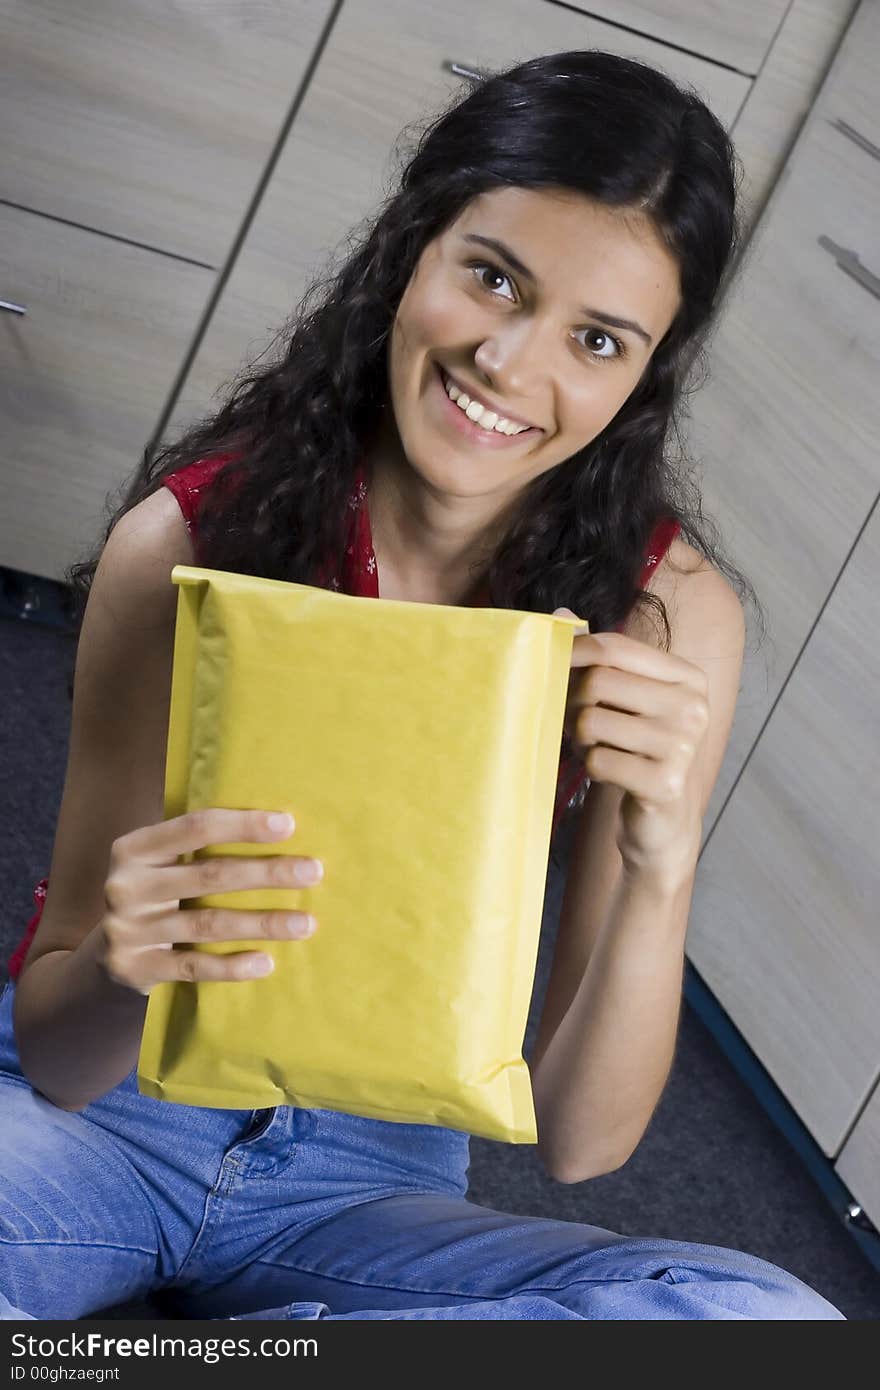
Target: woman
x=478, y=411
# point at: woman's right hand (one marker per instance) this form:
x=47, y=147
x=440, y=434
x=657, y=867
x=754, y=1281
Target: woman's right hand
x=144, y=919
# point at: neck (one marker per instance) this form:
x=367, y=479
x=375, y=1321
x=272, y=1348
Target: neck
x=426, y=540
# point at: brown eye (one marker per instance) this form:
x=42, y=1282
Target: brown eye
x=606, y=338
x=494, y=273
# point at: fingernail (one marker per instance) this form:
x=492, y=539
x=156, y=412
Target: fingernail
x=261, y=965
x=298, y=925
x=280, y=822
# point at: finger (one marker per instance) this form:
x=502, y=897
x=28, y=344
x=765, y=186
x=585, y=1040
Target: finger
x=659, y=782
x=229, y=874
x=612, y=688
x=230, y=924
x=639, y=658
x=628, y=732
x=201, y=967
x=203, y=829
x=567, y=613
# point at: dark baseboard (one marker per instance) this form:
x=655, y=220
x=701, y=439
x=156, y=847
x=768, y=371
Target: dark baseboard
x=760, y=1082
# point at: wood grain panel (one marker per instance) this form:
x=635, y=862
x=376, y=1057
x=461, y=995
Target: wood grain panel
x=151, y=120
x=738, y=35
x=791, y=76
x=785, y=431
x=84, y=376
x=853, y=94
x=784, y=926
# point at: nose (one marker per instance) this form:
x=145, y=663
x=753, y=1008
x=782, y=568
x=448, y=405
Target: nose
x=511, y=362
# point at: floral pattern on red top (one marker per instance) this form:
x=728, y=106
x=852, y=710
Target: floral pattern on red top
x=360, y=578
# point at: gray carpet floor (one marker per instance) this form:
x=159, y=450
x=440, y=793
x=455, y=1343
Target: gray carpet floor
x=711, y=1168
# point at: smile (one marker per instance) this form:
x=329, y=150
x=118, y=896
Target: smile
x=474, y=420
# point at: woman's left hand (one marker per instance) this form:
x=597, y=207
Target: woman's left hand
x=639, y=716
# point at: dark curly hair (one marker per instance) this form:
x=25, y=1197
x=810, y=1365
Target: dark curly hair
x=614, y=129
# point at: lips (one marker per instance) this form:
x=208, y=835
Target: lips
x=502, y=414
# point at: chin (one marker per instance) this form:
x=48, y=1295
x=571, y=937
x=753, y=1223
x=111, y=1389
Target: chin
x=452, y=473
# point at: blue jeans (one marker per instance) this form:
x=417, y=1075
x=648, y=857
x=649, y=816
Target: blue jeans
x=305, y=1214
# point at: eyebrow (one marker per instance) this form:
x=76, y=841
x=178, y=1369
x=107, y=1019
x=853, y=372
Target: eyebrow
x=506, y=254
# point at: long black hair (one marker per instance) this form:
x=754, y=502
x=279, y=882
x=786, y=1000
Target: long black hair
x=614, y=129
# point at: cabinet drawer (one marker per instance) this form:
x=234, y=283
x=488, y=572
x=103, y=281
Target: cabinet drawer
x=84, y=376
x=859, y=1161
x=784, y=919
x=738, y=35
x=788, y=423
x=385, y=66
x=149, y=120
x=850, y=93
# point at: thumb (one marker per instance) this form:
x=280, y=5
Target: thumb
x=567, y=613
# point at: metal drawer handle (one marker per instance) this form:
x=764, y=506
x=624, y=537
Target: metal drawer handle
x=13, y=308
x=472, y=74
x=849, y=261
x=862, y=140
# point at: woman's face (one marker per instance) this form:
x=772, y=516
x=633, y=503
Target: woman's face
x=545, y=351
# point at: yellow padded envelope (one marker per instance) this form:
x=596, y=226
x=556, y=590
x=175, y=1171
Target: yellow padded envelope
x=417, y=746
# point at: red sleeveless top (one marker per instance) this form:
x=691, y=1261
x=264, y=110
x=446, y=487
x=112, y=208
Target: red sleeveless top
x=359, y=577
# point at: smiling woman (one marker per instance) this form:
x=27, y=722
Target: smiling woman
x=572, y=179
x=524, y=355
x=567, y=282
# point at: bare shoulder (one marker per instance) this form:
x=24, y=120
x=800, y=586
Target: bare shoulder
x=683, y=570
x=682, y=558
x=700, y=602
x=131, y=611
x=136, y=562
x=156, y=529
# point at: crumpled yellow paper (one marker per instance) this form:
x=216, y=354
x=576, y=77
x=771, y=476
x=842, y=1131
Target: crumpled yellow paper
x=417, y=746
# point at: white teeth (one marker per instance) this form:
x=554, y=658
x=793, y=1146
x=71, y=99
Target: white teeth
x=487, y=419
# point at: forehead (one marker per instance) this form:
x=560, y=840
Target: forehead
x=580, y=250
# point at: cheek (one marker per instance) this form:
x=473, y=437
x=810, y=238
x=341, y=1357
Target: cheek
x=436, y=316
x=592, y=407
x=444, y=328
x=600, y=402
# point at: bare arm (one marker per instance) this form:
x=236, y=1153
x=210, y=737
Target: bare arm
x=607, y=1033
x=77, y=1032
x=602, y=1074
x=112, y=924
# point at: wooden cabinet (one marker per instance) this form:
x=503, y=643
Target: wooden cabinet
x=149, y=120
x=784, y=919
x=784, y=924
x=852, y=95
x=783, y=93
x=786, y=428
x=134, y=143
x=339, y=157
x=84, y=375
x=736, y=35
